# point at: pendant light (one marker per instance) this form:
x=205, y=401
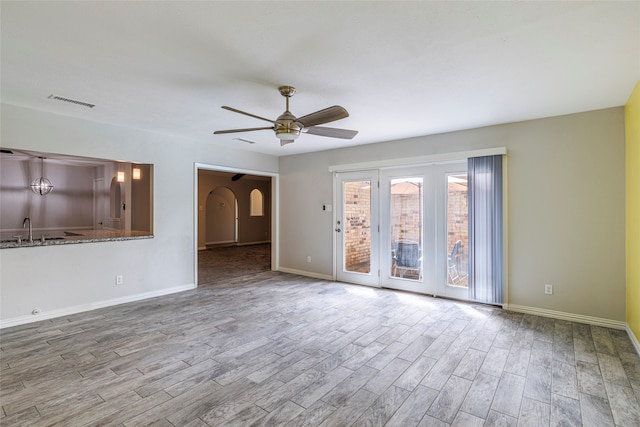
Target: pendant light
x=41, y=185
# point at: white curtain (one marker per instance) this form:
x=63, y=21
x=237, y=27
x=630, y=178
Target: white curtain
x=486, y=272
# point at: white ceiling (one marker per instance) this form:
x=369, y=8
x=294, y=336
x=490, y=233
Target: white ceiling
x=401, y=69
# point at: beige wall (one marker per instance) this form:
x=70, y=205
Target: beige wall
x=142, y=199
x=565, y=183
x=250, y=229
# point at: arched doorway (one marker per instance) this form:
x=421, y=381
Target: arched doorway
x=221, y=217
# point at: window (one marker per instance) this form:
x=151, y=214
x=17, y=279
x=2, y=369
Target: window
x=257, y=203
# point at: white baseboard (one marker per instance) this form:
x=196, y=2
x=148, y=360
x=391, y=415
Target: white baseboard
x=21, y=320
x=254, y=243
x=633, y=339
x=306, y=273
x=234, y=243
x=597, y=321
x=221, y=242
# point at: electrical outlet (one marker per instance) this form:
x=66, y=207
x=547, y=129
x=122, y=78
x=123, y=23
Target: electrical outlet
x=309, y=259
x=548, y=289
x=119, y=280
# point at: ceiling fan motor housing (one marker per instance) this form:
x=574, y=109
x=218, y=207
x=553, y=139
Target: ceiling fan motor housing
x=287, y=127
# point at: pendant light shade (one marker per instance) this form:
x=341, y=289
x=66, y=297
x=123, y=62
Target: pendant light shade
x=41, y=185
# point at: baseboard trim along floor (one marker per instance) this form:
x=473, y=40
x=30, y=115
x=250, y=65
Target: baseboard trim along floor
x=633, y=339
x=571, y=317
x=306, y=273
x=45, y=315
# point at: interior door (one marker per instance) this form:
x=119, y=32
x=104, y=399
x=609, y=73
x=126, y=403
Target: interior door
x=357, y=228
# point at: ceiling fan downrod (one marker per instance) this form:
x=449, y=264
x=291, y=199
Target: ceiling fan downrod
x=287, y=129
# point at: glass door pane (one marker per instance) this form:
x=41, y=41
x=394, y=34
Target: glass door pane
x=406, y=227
x=357, y=226
x=453, y=225
x=406, y=218
x=457, y=218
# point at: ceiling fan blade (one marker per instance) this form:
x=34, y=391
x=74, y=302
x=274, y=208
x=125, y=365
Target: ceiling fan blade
x=331, y=132
x=220, y=132
x=248, y=114
x=323, y=116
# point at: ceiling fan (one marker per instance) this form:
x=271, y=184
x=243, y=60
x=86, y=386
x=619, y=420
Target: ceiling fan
x=288, y=127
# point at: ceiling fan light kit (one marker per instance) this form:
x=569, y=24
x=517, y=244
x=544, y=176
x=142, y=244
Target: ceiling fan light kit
x=288, y=127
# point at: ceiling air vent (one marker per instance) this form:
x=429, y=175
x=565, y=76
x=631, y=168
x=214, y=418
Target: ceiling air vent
x=73, y=101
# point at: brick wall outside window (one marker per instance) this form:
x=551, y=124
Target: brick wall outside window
x=406, y=223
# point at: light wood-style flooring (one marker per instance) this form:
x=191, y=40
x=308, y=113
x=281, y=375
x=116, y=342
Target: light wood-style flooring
x=277, y=349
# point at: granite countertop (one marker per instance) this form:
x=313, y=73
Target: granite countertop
x=67, y=237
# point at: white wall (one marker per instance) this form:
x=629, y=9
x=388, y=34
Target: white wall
x=83, y=275
x=565, y=206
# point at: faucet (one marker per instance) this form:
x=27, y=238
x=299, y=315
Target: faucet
x=30, y=238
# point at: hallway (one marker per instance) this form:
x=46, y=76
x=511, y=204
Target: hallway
x=219, y=264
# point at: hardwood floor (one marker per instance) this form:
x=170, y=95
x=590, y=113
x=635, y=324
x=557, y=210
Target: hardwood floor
x=279, y=349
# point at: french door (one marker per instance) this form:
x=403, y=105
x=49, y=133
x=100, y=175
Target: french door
x=415, y=229
x=356, y=228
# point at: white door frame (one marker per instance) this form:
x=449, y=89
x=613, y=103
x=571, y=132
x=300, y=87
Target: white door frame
x=275, y=210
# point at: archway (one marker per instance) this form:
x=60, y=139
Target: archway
x=221, y=217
